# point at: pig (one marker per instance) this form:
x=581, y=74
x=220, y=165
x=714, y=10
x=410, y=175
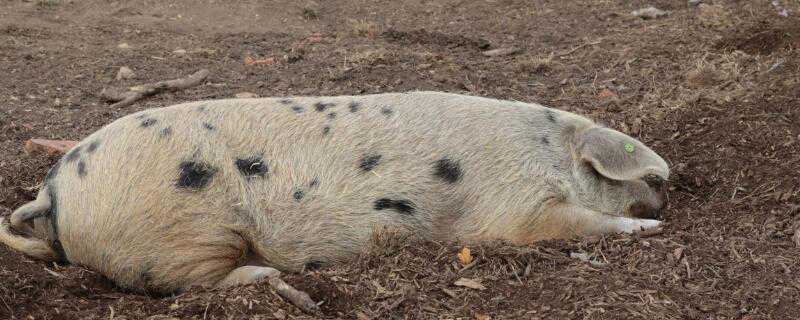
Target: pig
x=234, y=191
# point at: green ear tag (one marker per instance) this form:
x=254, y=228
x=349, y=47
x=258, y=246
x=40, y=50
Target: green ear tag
x=629, y=147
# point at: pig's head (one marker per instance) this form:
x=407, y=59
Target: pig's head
x=616, y=174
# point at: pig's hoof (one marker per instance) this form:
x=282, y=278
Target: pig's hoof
x=631, y=225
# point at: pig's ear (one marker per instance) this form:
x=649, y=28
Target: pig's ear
x=618, y=156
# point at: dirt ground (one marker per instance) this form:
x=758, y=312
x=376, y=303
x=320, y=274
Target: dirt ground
x=715, y=89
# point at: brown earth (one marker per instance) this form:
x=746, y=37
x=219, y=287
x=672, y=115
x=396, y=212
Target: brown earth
x=717, y=94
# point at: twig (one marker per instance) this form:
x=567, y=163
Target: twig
x=7, y=307
x=299, y=298
x=578, y=48
x=137, y=93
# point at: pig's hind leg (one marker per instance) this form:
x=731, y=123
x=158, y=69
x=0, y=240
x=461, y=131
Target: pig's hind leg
x=254, y=274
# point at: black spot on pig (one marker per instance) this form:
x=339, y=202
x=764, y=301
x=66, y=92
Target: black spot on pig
x=81, y=168
x=369, y=162
x=252, y=167
x=298, y=195
x=354, y=106
x=298, y=109
x=332, y=115
x=73, y=154
x=314, y=265
x=387, y=111
x=201, y=108
x=551, y=116
x=92, y=146
x=545, y=141
x=313, y=183
x=166, y=131
x=208, y=126
x=326, y=130
x=285, y=101
x=401, y=206
x=148, y=122
x=321, y=106
x=195, y=175
x=448, y=170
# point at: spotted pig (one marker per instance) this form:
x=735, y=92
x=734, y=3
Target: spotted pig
x=225, y=192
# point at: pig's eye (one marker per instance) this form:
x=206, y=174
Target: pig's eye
x=653, y=181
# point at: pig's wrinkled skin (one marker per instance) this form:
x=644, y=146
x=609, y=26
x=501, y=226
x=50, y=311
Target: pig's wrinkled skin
x=225, y=192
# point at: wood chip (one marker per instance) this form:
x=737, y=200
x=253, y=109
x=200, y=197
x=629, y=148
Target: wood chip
x=55, y=274
x=250, y=61
x=469, y=283
x=361, y=316
x=501, y=52
x=585, y=258
x=450, y=293
x=678, y=253
x=245, y=95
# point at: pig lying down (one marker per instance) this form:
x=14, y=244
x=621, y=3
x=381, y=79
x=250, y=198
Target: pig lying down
x=225, y=192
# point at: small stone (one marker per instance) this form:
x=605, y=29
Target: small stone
x=57, y=102
x=124, y=73
x=649, y=13
x=245, y=95
x=124, y=45
x=179, y=52
x=501, y=52
x=50, y=147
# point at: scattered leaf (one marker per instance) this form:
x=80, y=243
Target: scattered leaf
x=465, y=257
